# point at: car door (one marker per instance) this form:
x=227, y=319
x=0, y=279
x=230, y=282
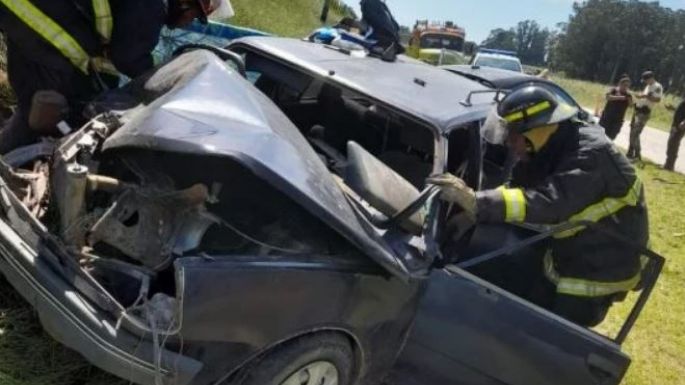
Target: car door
x=469, y=331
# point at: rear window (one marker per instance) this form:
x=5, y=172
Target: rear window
x=501, y=63
x=442, y=41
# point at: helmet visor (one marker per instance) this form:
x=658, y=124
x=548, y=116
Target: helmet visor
x=494, y=129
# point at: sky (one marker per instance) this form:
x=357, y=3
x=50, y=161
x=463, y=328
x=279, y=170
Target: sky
x=478, y=17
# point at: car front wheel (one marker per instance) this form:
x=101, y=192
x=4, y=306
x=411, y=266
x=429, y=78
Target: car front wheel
x=323, y=359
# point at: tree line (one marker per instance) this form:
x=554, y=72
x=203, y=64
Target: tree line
x=604, y=39
x=527, y=39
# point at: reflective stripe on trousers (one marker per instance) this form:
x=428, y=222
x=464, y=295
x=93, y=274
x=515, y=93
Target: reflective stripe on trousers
x=53, y=33
x=587, y=288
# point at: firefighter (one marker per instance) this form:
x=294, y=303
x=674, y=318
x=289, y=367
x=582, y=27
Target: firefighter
x=73, y=48
x=567, y=171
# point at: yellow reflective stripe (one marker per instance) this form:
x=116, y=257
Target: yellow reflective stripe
x=50, y=31
x=515, y=204
x=514, y=117
x=603, y=209
x=104, y=23
x=536, y=109
x=530, y=111
x=586, y=288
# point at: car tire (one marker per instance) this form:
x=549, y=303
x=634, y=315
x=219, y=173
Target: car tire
x=322, y=359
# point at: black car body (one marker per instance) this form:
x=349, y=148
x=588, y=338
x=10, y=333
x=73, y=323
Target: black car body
x=495, y=78
x=206, y=228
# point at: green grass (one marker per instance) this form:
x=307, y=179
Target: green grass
x=294, y=18
x=657, y=343
x=591, y=95
x=28, y=356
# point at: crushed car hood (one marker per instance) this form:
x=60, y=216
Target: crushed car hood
x=199, y=105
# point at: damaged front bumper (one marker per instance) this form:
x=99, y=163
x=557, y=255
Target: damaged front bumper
x=75, y=323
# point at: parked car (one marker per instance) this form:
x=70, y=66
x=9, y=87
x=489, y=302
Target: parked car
x=263, y=219
x=501, y=59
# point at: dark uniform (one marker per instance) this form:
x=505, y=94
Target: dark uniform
x=676, y=137
x=614, y=112
x=385, y=29
x=578, y=176
x=35, y=64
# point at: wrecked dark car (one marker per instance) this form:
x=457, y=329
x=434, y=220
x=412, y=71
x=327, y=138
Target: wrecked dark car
x=264, y=219
x=474, y=324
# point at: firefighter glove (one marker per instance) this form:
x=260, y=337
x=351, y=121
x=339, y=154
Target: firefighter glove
x=454, y=190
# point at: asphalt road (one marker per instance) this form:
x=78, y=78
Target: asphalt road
x=654, y=143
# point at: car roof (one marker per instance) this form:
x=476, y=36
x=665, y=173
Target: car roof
x=410, y=86
x=493, y=77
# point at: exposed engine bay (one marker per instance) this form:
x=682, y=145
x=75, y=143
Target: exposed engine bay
x=126, y=216
x=195, y=163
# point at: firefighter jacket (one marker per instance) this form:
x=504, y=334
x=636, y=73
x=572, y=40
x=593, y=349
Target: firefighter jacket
x=578, y=176
x=55, y=44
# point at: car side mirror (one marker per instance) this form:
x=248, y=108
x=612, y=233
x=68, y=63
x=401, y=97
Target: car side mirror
x=385, y=190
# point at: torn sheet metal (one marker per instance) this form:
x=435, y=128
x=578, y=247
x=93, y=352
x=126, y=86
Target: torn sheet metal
x=149, y=225
x=203, y=107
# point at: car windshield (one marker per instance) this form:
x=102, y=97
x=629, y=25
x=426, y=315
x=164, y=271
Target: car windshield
x=436, y=40
x=501, y=63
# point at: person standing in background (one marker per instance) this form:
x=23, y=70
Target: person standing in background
x=618, y=99
x=650, y=97
x=676, y=136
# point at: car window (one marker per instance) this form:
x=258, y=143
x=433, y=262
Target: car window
x=505, y=64
x=442, y=41
x=330, y=115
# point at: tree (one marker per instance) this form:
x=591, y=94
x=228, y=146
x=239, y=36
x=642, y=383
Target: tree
x=525, y=34
x=500, y=39
x=526, y=39
x=531, y=42
x=606, y=38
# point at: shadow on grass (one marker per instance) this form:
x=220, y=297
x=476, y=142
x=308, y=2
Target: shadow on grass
x=29, y=356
